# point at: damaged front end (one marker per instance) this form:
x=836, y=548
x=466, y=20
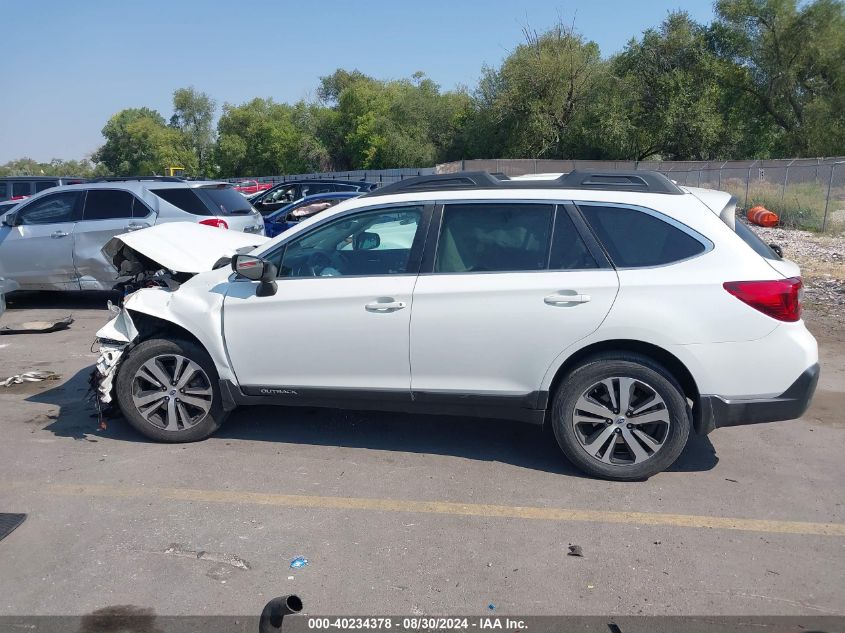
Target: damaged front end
x=161, y=259
x=114, y=338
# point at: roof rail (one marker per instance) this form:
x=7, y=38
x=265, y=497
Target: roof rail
x=129, y=178
x=611, y=180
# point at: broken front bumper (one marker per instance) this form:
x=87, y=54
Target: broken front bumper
x=114, y=338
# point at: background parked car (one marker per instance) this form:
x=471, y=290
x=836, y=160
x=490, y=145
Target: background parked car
x=283, y=194
x=53, y=241
x=20, y=186
x=293, y=213
x=251, y=187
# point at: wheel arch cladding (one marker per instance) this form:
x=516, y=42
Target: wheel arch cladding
x=667, y=360
x=150, y=326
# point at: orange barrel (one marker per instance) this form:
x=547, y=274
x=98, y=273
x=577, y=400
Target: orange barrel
x=761, y=216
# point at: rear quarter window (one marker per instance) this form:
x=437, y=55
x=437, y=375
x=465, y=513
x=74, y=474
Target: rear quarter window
x=635, y=239
x=184, y=199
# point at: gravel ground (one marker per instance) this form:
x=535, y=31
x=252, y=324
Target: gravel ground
x=822, y=261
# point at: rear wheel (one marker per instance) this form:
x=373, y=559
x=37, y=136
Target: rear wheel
x=169, y=391
x=620, y=416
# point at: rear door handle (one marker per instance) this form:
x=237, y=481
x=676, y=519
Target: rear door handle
x=386, y=306
x=57, y=234
x=564, y=300
x=134, y=226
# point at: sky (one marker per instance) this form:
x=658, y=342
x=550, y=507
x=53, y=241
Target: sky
x=72, y=65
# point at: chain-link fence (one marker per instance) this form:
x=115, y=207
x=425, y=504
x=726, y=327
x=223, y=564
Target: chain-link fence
x=806, y=193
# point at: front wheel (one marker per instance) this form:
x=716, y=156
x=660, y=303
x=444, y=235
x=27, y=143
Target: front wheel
x=169, y=391
x=620, y=417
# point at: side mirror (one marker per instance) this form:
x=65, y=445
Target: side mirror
x=256, y=269
x=10, y=219
x=777, y=249
x=366, y=241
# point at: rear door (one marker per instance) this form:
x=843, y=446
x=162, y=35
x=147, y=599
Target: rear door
x=38, y=252
x=106, y=213
x=509, y=287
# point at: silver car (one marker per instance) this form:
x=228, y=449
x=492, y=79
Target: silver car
x=53, y=240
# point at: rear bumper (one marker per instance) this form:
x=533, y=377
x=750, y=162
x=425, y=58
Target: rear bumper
x=715, y=411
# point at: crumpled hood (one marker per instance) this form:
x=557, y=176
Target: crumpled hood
x=182, y=247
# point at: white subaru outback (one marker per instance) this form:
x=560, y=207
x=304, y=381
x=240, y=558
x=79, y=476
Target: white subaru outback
x=617, y=307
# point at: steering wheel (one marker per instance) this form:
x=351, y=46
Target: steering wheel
x=316, y=262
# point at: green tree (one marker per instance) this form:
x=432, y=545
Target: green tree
x=139, y=142
x=262, y=137
x=193, y=115
x=372, y=124
x=790, y=60
x=671, y=87
x=526, y=107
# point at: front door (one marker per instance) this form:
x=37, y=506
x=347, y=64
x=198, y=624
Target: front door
x=338, y=324
x=512, y=286
x=38, y=251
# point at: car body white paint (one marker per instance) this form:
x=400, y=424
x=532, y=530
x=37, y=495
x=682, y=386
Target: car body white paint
x=480, y=332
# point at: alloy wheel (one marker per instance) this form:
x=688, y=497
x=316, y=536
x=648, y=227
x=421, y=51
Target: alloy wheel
x=621, y=421
x=172, y=392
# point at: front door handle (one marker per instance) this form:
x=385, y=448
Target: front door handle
x=58, y=234
x=134, y=226
x=565, y=300
x=384, y=306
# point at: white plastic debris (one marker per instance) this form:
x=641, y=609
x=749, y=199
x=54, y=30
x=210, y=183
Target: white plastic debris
x=29, y=376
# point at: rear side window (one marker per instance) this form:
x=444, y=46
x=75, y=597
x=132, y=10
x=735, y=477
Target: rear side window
x=494, y=237
x=139, y=209
x=106, y=204
x=225, y=200
x=42, y=185
x=4, y=190
x=21, y=189
x=184, y=199
x=635, y=239
x=569, y=252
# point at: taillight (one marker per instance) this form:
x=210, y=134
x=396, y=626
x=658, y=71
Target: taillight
x=220, y=224
x=779, y=298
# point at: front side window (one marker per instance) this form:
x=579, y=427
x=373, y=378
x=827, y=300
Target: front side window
x=51, y=209
x=107, y=204
x=634, y=239
x=368, y=243
x=282, y=194
x=494, y=238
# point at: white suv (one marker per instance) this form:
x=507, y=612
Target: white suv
x=617, y=307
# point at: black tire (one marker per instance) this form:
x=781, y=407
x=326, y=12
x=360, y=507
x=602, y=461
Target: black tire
x=206, y=425
x=629, y=365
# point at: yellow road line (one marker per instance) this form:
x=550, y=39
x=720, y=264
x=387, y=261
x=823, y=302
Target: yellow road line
x=437, y=507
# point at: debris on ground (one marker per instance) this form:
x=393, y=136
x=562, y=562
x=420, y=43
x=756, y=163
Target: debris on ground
x=29, y=376
x=491, y=606
x=37, y=327
x=299, y=562
x=175, y=549
x=575, y=550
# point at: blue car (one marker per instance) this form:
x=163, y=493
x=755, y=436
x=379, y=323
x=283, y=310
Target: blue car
x=293, y=213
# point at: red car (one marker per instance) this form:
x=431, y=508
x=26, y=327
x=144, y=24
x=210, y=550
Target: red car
x=249, y=187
